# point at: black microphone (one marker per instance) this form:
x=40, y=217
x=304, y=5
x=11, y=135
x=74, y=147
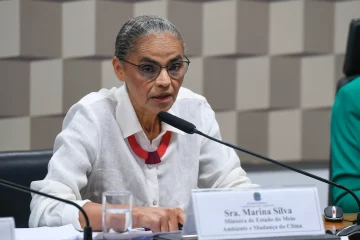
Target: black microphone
x=176, y=122
x=190, y=128
x=87, y=229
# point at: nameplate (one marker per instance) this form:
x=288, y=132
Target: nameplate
x=7, y=228
x=254, y=213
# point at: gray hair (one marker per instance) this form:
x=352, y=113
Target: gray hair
x=141, y=26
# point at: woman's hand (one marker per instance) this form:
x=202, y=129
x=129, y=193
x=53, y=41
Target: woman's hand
x=158, y=219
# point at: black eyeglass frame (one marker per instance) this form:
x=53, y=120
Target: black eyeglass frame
x=161, y=67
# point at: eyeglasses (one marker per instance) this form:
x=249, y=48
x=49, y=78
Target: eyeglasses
x=150, y=71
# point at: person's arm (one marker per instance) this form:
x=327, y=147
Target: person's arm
x=219, y=164
x=74, y=150
x=345, y=146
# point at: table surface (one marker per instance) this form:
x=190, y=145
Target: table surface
x=71, y=233
x=339, y=225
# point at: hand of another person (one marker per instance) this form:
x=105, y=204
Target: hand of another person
x=158, y=219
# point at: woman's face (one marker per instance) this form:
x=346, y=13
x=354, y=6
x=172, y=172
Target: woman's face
x=158, y=94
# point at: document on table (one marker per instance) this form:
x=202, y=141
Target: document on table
x=67, y=232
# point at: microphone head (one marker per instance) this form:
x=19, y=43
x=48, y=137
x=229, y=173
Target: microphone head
x=177, y=122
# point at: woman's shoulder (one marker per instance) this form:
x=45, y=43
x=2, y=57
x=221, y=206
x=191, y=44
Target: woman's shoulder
x=103, y=95
x=352, y=88
x=188, y=100
x=99, y=103
x=186, y=95
x=348, y=96
x=193, y=107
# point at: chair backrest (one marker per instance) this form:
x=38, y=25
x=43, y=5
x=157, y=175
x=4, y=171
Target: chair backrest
x=21, y=167
x=352, y=57
x=351, y=70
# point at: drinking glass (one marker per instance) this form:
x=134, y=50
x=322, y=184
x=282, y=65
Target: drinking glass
x=116, y=212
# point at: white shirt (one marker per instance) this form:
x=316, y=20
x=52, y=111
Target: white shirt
x=92, y=155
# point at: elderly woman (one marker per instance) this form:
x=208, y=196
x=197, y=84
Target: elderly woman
x=113, y=139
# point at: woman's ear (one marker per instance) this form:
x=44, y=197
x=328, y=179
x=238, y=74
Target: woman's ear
x=118, y=68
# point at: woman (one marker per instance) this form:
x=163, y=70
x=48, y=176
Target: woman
x=106, y=134
x=345, y=145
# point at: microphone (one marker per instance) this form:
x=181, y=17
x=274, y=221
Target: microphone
x=87, y=229
x=177, y=122
x=190, y=128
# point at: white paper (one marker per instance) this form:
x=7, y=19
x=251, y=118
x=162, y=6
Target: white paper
x=46, y=233
x=67, y=232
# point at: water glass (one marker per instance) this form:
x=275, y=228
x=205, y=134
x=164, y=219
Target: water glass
x=117, y=212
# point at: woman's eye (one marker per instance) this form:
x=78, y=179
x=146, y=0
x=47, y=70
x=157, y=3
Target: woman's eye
x=147, y=68
x=175, y=66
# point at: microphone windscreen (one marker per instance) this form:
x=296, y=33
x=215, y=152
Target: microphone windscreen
x=176, y=122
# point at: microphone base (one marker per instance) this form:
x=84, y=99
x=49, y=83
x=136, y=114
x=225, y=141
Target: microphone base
x=349, y=230
x=352, y=230
x=88, y=233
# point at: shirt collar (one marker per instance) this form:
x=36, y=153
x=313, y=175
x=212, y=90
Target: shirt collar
x=127, y=119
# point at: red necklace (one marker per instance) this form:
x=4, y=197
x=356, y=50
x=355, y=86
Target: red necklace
x=150, y=157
